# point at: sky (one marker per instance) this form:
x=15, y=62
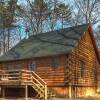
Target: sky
x=65, y=1
x=22, y=1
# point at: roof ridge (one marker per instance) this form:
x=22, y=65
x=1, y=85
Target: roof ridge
x=59, y=30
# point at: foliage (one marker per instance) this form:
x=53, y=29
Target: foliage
x=38, y=16
x=86, y=11
x=44, y=16
x=7, y=20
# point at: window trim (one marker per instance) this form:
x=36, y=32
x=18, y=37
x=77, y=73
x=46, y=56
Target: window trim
x=55, y=62
x=31, y=67
x=82, y=68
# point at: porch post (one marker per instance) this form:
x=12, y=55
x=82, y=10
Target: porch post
x=3, y=92
x=45, y=93
x=26, y=92
x=70, y=91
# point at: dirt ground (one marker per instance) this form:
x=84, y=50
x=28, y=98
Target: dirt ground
x=87, y=98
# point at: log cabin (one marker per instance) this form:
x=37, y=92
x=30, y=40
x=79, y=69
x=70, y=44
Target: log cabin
x=61, y=63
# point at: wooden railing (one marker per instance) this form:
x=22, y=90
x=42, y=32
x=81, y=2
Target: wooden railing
x=25, y=77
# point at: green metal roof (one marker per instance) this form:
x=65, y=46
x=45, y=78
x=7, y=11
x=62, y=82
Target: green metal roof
x=46, y=44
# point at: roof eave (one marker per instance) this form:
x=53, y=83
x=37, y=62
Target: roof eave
x=94, y=43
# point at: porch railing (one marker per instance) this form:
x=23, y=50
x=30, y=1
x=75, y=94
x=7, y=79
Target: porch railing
x=24, y=77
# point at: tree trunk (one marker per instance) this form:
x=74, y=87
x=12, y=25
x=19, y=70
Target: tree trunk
x=8, y=42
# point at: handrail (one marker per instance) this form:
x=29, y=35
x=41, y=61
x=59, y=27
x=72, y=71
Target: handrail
x=39, y=78
x=38, y=82
x=19, y=70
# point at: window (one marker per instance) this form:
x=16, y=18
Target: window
x=82, y=68
x=32, y=66
x=55, y=62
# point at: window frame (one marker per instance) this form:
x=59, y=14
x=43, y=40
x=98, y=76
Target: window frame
x=31, y=67
x=55, y=62
x=82, y=68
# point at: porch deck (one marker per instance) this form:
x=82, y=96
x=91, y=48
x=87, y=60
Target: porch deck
x=15, y=77
x=22, y=78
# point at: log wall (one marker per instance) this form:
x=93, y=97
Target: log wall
x=53, y=75
x=83, y=52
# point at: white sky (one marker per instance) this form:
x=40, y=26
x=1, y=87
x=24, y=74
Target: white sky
x=22, y=1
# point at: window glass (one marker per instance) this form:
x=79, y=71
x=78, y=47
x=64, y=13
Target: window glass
x=82, y=68
x=32, y=66
x=55, y=62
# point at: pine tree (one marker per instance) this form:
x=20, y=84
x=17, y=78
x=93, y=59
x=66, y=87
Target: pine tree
x=63, y=13
x=7, y=12
x=40, y=8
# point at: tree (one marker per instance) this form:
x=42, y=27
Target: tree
x=59, y=14
x=97, y=36
x=7, y=18
x=63, y=14
x=40, y=9
x=86, y=11
x=44, y=15
x=33, y=15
